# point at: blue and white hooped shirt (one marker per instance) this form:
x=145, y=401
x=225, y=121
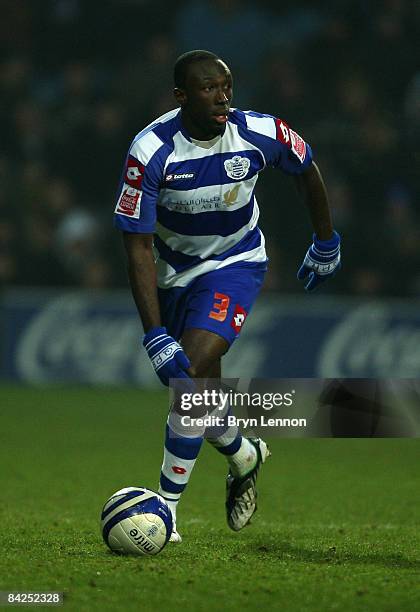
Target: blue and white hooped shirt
x=199, y=202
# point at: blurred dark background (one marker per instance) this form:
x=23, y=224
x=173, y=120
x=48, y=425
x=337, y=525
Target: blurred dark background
x=80, y=78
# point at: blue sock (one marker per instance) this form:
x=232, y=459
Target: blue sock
x=239, y=451
x=179, y=456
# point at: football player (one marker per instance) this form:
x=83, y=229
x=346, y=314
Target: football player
x=196, y=257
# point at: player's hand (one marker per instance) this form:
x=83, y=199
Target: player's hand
x=321, y=261
x=167, y=356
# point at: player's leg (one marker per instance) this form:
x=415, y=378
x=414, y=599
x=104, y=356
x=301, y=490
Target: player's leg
x=230, y=294
x=182, y=444
x=245, y=457
x=211, y=314
x=240, y=453
x=180, y=452
x=220, y=304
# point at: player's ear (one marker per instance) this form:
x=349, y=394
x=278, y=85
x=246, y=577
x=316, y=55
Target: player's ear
x=180, y=96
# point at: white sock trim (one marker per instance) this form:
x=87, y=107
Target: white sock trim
x=244, y=460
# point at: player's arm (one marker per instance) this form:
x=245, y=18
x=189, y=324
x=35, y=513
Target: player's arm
x=294, y=156
x=167, y=357
x=142, y=276
x=283, y=148
x=135, y=215
x=311, y=188
x=322, y=259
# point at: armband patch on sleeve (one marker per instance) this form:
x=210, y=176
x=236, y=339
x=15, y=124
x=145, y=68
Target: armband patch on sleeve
x=129, y=202
x=298, y=145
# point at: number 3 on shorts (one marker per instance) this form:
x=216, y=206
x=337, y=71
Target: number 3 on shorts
x=220, y=307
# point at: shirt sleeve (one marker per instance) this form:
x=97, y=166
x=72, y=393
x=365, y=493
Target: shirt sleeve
x=281, y=146
x=138, y=192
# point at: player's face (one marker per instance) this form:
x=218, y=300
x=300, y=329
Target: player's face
x=206, y=99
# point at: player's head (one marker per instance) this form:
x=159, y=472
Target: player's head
x=203, y=89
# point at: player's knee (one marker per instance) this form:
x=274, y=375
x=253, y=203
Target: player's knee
x=204, y=366
x=201, y=370
x=192, y=371
x=204, y=350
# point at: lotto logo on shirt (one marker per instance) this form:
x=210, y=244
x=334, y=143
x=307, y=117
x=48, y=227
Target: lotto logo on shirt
x=129, y=203
x=134, y=173
x=282, y=131
x=238, y=318
x=179, y=177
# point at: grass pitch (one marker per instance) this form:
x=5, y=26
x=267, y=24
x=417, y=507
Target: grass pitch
x=337, y=527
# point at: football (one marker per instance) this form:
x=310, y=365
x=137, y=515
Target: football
x=136, y=521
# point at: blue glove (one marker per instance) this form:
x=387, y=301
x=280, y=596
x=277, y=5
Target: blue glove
x=321, y=261
x=167, y=356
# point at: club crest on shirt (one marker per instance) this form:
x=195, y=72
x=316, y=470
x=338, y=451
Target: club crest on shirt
x=237, y=167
